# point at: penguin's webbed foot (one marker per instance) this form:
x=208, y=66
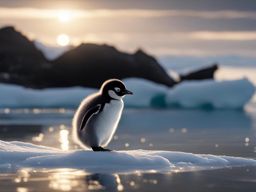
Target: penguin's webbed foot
x=100, y=149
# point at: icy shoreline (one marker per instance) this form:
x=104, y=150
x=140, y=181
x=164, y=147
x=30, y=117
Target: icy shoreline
x=17, y=155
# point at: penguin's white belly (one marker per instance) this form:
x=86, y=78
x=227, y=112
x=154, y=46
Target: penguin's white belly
x=106, y=121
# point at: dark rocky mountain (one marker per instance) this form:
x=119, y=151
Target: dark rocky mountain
x=92, y=64
x=20, y=61
x=204, y=73
x=86, y=65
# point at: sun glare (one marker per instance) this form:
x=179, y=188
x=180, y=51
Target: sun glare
x=63, y=40
x=64, y=16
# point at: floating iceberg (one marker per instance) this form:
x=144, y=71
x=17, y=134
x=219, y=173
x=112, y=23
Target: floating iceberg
x=17, y=155
x=14, y=96
x=209, y=93
x=190, y=94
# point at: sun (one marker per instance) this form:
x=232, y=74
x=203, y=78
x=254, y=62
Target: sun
x=64, y=16
x=63, y=40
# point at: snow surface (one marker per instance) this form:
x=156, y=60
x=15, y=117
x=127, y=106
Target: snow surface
x=16, y=155
x=190, y=94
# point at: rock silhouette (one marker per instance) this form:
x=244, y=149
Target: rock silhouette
x=87, y=65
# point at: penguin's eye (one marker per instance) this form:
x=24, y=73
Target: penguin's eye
x=117, y=89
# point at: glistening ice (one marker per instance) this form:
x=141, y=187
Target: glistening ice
x=17, y=155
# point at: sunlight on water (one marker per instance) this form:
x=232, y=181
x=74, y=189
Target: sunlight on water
x=120, y=187
x=142, y=140
x=35, y=111
x=23, y=176
x=65, y=179
x=127, y=145
x=184, y=130
x=38, y=138
x=63, y=139
x=7, y=110
x=22, y=189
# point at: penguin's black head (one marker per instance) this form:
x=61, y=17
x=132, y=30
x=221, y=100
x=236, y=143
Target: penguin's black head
x=114, y=88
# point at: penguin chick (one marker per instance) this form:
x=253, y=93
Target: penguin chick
x=98, y=115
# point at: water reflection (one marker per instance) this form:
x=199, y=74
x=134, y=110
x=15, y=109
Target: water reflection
x=107, y=182
x=22, y=189
x=70, y=180
x=77, y=180
x=22, y=176
x=65, y=180
x=64, y=139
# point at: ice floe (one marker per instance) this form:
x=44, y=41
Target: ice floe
x=18, y=155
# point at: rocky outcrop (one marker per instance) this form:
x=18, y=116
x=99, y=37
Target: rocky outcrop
x=20, y=61
x=91, y=64
x=87, y=65
x=204, y=73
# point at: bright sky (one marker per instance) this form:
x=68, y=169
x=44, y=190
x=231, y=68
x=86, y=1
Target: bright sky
x=177, y=27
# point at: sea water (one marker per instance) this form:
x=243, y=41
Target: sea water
x=196, y=131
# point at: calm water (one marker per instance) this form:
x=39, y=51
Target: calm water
x=228, y=132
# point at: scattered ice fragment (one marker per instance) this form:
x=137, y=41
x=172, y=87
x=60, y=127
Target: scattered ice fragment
x=120, y=187
x=132, y=183
x=64, y=139
x=50, y=129
x=247, y=139
x=62, y=110
x=142, y=140
x=62, y=126
x=171, y=130
x=126, y=144
x=22, y=189
x=38, y=138
x=7, y=110
x=36, y=111
x=184, y=130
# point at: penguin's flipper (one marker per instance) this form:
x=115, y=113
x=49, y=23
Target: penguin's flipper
x=100, y=149
x=88, y=114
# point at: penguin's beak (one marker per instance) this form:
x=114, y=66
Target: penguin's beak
x=127, y=92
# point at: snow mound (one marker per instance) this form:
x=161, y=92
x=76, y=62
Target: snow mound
x=190, y=94
x=17, y=155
